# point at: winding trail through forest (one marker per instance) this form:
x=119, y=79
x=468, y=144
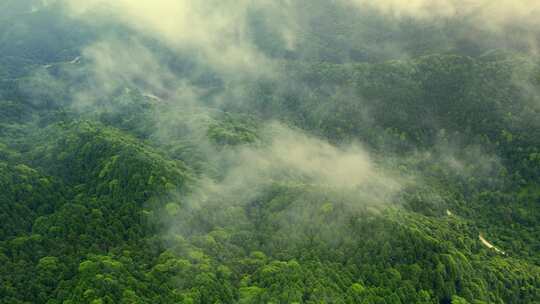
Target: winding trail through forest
x=489, y=245
x=482, y=239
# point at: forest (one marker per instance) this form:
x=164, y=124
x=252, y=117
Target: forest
x=241, y=151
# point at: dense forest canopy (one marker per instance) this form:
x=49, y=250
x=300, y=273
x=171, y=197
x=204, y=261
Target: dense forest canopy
x=242, y=151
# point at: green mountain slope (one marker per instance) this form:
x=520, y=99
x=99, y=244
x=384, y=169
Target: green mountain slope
x=371, y=159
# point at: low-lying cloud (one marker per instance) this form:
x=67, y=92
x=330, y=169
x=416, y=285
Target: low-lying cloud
x=492, y=13
x=216, y=31
x=289, y=155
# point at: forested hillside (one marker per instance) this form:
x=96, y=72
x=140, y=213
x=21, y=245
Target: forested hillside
x=269, y=152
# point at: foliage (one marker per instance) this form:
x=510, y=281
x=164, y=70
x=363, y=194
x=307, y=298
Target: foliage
x=129, y=200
